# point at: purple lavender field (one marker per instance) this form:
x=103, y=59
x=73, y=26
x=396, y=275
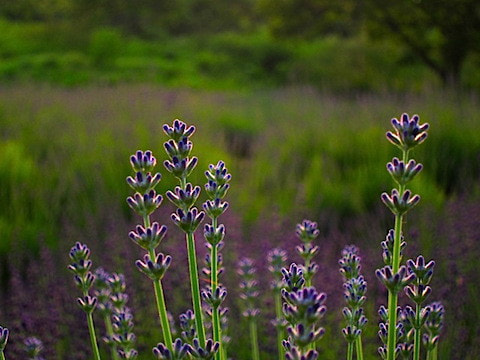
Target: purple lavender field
x=293, y=154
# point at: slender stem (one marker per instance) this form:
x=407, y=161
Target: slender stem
x=308, y=283
x=160, y=298
x=434, y=353
x=350, y=351
x=359, y=347
x=418, y=334
x=109, y=328
x=254, y=339
x=2, y=356
x=195, y=286
x=392, y=322
x=214, y=285
x=280, y=331
x=162, y=308
x=93, y=337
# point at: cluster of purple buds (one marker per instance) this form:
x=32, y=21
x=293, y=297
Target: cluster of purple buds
x=122, y=319
x=223, y=312
x=207, y=353
x=214, y=297
x=248, y=287
x=187, y=325
x=188, y=220
x=395, y=282
x=103, y=292
x=277, y=259
x=180, y=351
x=408, y=133
x=307, y=232
x=33, y=346
x=433, y=325
x=80, y=266
x=293, y=277
x=3, y=338
x=419, y=290
x=387, y=247
x=217, y=181
x=303, y=309
x=405, y=333
x=398, y=203
x=150, y=237
x=155, y=269
x=293, y=353
x=355, y=289
x=184, y=198
x=178, y=148
x=207, y=269
x=403, y=173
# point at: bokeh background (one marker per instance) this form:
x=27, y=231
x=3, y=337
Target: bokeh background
x=295, y=96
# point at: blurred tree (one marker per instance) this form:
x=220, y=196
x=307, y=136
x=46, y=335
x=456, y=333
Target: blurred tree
x=441, y=33
x=310, y=18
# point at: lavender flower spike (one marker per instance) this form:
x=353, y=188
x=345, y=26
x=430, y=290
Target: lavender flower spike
x=33, y=347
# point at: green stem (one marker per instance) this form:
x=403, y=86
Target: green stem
x=280, y=331
x=162, y=308
x=93, y=337
x=254, y=339
x=214, y=284
x=418, y=334
x=308, y=282
x=350, y=351
x=359, y=347
x=109, y=328
x=160, y=298
x=434, y=353
x=2, y=355
x=195, y=286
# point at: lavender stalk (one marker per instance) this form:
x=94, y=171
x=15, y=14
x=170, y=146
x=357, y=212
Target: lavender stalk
x=33, y=346
x=249, y=288
x=433, y=326
x=307, y=232
x=355, y=288
x=83, y=277
x=277, y=259
x=408, y=134
x=3, y=341
x=216, y=189
x=187, y=218
x=144, y=202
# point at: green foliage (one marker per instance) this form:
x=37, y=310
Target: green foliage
x=105, y=46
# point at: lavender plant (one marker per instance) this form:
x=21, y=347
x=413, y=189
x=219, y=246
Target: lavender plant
x=407, y=134
x=307, y=232
x=433, y=326
x=81, y=264
x=3, y=341
x=216, y=189
x=144, y=202
x=249, y=293
x=187, y=217
x=355, y=288
x=277, y=259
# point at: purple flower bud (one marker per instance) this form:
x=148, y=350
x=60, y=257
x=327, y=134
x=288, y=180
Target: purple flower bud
x=216, y=297
x=181, y=168
x=303, y=336
x=216, y=191
x=214, y=235
x=276, y=259
x=144, y=182
x=215, y=208
x=148, y=238
x=218, y=173
x=187, y=324
x=295, y=353
x=307, y=231
x=207, y=353
x=180, y=351
x=403, y=173
x=400, y=204
x=3, y=337
x=87, y=303
x=351, y=333
x=307, y=251
x=387, y=247
x=143, y=161
x=435, y=319
x=178, y=130
x=184, y=198
x=408, y=132
x=145, y=204
x=188, y=221
x=293, y=277
x=422, y=271
x=394, y=282
x=155, y=269
x=79, y=252
x=350, y=264
x=180, y=149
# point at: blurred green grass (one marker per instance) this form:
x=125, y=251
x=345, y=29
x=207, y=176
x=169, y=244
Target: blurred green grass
x=64, y=152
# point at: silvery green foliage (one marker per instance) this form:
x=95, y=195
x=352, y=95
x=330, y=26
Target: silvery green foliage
x=33, y=346
x=355, y=288
x=3, y=337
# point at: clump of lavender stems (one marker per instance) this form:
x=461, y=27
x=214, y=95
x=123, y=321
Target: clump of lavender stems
x=355, y=288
